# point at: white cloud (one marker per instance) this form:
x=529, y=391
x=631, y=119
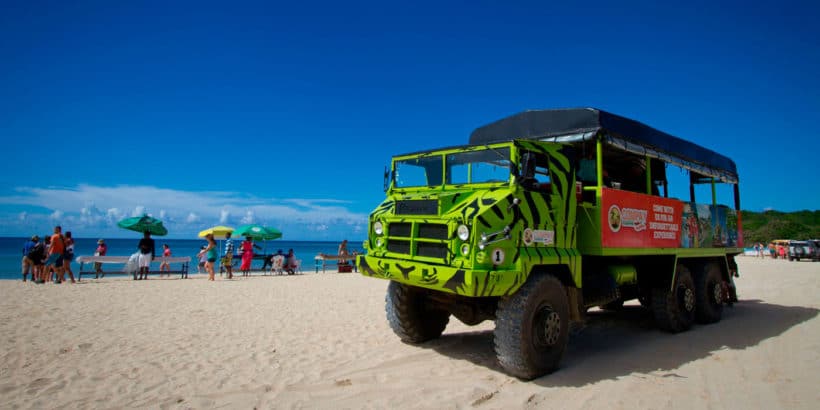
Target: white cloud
x=248, y=218
x=139, y=210
x=95, y=210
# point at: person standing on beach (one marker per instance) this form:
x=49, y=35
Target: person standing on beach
x=68, y=256
x=247, y=256
x=55, y=254
x=227, y=260
x=210, y=253
x=27, y=263
x=164, y=266
x=45, y=271
x=102, y=249
x=147, y=254
x=38, y=256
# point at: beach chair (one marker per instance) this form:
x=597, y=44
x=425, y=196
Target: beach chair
x=278, y=262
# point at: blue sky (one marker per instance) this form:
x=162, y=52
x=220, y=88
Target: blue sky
x=206, y=113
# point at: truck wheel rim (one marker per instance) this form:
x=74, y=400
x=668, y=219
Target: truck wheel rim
x=688, y=297
x=548, y=323
x=717, y=293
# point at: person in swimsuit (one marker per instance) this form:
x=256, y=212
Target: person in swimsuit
x=165, y=266
x=210, y=252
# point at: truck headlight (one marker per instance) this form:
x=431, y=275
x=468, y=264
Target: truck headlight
x=463, y=232
x=465, y=249
x=378, y=228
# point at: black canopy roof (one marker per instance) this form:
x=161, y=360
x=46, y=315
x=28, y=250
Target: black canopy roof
x=581, y=123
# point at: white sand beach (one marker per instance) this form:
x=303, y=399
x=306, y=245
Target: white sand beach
x=322, y=341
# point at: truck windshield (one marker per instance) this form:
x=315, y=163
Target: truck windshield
x=471, y=167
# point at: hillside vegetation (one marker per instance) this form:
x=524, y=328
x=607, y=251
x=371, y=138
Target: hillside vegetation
x=765, y=226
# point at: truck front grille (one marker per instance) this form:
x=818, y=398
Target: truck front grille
x=401, y=229
x=432, y=250
x=399, y=246
x=417, y=238
x=433, y=231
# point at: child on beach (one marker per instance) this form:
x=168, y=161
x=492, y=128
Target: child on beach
x=165, y=266
x=102, y=249
x=202, y=259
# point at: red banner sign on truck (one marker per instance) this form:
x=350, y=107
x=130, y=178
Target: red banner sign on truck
x=633, y=220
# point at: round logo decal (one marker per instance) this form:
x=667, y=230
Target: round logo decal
x=527, y=237
x=614, y=218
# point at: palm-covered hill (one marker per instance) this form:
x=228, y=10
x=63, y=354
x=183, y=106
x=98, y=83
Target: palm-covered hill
x=768, y=225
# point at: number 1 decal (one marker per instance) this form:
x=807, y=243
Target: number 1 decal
x=498, y=256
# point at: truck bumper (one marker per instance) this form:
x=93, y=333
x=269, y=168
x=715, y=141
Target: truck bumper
x=460, y=281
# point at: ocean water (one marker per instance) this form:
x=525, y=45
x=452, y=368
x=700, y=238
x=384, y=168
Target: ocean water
x=11, y=251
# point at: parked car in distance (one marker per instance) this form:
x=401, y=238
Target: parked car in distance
x=814, y=244
x=801, y=250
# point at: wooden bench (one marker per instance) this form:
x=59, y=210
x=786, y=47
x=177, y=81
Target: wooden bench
x=181, y=261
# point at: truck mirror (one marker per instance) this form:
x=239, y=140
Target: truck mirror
x=527, y=165
x=386, y=178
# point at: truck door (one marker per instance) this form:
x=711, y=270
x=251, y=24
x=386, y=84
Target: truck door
x=544, y=187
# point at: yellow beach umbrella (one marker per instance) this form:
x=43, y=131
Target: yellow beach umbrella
x=218, y=232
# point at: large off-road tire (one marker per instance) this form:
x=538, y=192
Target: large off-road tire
x=410, y=317
x=531, y=328
x=709, y=294
x=675, y=309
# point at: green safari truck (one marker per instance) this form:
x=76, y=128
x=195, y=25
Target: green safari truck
x=544, y=215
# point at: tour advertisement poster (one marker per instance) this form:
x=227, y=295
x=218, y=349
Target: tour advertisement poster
x=633, y=220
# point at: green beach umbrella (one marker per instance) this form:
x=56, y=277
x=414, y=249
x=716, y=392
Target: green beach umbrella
x=257, y=232
x=142, y=224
